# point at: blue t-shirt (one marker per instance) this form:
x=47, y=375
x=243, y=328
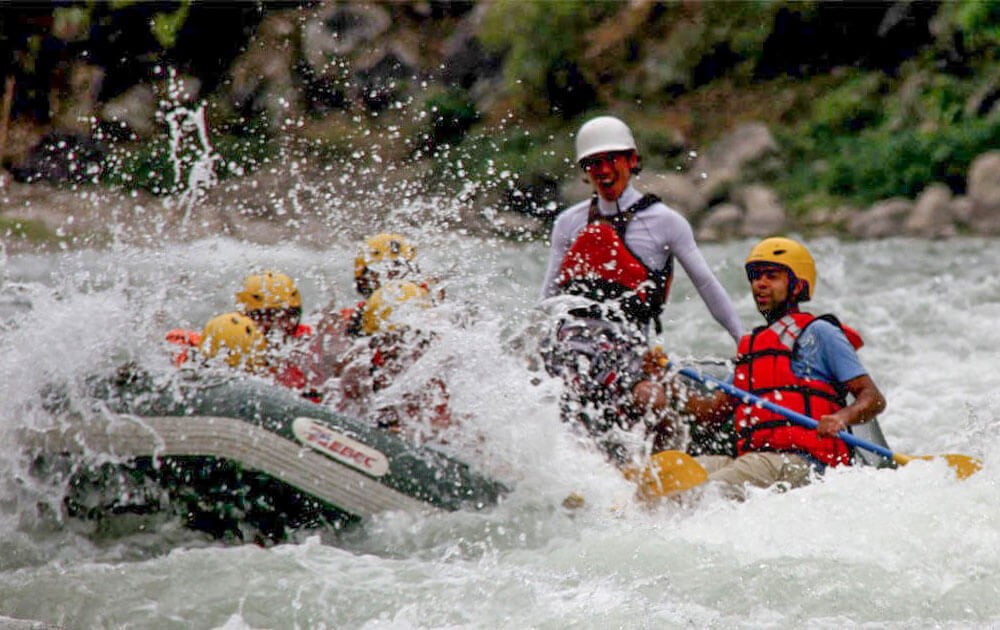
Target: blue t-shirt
x=823, y=352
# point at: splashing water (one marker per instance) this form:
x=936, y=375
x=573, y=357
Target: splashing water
x=888, y=549
x=190, y=149
x=189, y=133
x=906, y=548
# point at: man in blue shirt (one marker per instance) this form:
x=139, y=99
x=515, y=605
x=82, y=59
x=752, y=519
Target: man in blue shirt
x=798, y=361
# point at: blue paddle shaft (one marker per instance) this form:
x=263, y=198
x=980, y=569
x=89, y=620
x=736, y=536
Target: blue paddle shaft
x=794, y=416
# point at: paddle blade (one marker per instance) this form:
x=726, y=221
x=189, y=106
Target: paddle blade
x=667, y=473
x=963, y=465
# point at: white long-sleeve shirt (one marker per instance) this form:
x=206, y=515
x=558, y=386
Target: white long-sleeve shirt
x=652, y=235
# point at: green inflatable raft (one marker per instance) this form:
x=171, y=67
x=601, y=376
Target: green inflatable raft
x=240, y=459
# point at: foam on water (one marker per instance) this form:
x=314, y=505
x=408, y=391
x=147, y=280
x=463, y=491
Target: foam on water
x=913, y=547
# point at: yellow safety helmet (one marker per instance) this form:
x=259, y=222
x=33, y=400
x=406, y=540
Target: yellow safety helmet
x=379, y=306
x=789, y=254
x=390, y=253
x=238, y=337
x=268, y=290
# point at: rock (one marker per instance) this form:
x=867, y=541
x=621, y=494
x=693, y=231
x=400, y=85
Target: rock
x=136, y=108
x=961, y=209
x=830, y=220
x=466, y=62
x=983, y=101
x=183, y=89
x=75, y=109
x=61, y=157
x=764, y=215
x=715, y=184
x=261, y=78
x=338, y=29
x=882, y=220
x=931, y=216
x=381, y=71
x=676, y=190
x=746, y=143
x=984, y=193
x=721, y=221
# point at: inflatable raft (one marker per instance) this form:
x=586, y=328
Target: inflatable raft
x=240, y=459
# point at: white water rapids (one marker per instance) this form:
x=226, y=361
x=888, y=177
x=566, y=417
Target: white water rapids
x=878, y=549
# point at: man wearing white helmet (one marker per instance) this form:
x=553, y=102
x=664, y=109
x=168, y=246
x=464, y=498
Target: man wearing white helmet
x=617, y=249
x=652, y=234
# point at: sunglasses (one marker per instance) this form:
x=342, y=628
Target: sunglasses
x=594, y=161
x=756, y=271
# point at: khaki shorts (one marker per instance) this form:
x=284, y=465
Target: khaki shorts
x=757, y=469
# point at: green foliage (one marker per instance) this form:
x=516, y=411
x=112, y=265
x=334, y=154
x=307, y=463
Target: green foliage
x=71, y=22
x=541, y=39
x=976, y=22
x=166, y=26
x=149, y=165
x=727, y=37
x=881, y=162
x=504, y=161
x=145, y=166
x=871, y=137
x=451, y=112
x=885, y=163
x=856, y=104
x=30, y=230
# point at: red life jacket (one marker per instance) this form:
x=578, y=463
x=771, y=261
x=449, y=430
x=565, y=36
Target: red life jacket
x=289, y=373
x=600, y=266
x=185, y=339
x=764, y=368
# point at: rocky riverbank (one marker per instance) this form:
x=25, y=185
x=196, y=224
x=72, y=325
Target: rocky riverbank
x=332, y=116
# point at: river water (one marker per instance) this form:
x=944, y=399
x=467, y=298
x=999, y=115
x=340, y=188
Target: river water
x=880, y=549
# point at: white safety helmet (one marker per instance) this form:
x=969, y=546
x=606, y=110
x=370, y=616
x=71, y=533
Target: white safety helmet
x=603, y=134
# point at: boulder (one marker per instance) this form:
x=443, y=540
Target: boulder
x=882, y=220
x=136, y=108
x=960, y=209
x=261, y=78
x=381, y=71
x=931, y=216
x=716, y=183
x=830, y=220
x=984, y=193
x=76, y=105
x=746, y=143
x=721, y=221
x=764, y=214
x=61, y=157
x=337, y=30
x=466, y=61
x=676, y=190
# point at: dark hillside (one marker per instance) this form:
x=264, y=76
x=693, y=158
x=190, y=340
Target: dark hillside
x=859, y=102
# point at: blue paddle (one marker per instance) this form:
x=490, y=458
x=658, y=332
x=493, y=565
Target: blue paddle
x=963, y=465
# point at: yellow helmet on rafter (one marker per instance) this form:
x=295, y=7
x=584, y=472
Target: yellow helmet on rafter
x=379, y=306
x=386, y=253
x=268, y=290
x=237, y=338
x=789, y=254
